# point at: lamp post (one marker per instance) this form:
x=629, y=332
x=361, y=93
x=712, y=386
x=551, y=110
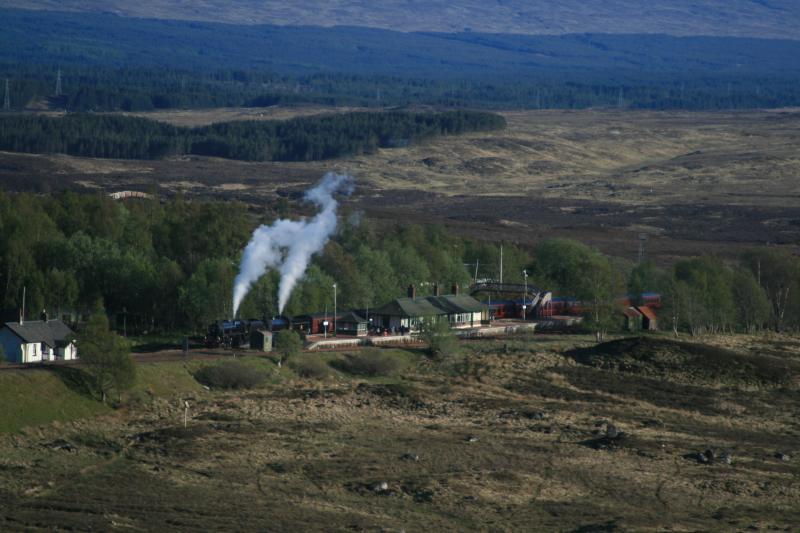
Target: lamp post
x=334, y=310
x=525, y=297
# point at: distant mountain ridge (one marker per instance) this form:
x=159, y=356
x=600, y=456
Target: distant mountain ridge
x=770, y=19
x=103, y=39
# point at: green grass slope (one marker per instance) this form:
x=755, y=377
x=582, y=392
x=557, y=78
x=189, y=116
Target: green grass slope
x=31, y=397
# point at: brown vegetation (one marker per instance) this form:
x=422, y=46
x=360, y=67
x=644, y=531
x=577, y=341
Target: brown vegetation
x=522, y=444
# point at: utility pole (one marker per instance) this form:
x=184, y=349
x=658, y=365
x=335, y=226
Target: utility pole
x=501, y=264
x=642, y=240
x=334, y=309
x=620, y=102
x=7, y=98
x=525, y=297
x=58, y=83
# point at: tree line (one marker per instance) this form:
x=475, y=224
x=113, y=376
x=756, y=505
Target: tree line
x=300, y=139
x=707, y=294
x=106, y=89
x=168, y=266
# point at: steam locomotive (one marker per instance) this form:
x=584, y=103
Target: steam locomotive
x=236, y=333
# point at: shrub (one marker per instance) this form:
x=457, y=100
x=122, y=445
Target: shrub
x=230, y=375
x=105, y=355
x=288, y=343
x=371, y=362
x=441, y=340
x=310, y=366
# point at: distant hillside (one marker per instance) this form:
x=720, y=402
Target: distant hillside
x=735, y=18
x=105, y=39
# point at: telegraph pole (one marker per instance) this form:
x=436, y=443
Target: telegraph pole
x=334, y=310
x=642, y=241
x=501, y=264
x=7, y=98
x=525, y=297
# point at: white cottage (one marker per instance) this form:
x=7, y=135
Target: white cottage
x=37, y=341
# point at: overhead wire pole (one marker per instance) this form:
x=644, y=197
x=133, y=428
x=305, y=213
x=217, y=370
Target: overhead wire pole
x=334, y=310
x=501, y=264
x=525, y=296
x=7, y=98
x=642, y=241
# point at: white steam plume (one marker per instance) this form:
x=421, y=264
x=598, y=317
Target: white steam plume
x=287, y=245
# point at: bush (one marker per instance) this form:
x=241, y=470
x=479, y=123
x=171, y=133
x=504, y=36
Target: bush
x=288, y=343
x=105, y=355
x=371, y=362
x=310, y=366
x=230, y=375
x=441, y=340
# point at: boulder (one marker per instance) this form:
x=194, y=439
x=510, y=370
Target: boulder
x=380, y=487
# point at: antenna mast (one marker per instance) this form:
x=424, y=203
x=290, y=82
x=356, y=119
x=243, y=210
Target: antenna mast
x=7, y=98
x=642, y=240
x=501, y=264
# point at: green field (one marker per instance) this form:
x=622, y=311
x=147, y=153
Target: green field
x=31, y=397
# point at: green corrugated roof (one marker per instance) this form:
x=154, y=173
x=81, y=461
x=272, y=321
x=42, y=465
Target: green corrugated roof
x=350, y=318
x=430, y=306
x=462, y=303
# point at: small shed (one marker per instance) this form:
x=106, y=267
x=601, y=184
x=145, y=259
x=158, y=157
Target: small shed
x=649, y=318
x=633, y=319
x=351, y=324
x=261, y=340
x=314, y=323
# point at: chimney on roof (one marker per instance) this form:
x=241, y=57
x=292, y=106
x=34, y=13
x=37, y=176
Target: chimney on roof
x=437, y=291
x=22, y=313
x=454, y=288
x=412, y=291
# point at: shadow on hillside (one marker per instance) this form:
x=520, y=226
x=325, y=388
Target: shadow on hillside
x=75, y=379
x=688, y=361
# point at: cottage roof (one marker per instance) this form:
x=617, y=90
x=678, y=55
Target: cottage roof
x=350, y=318
x=646, y=311
x=459, y=303
x=631, y=312
x=430, y=306
x=408, y=307
x=51, y=332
